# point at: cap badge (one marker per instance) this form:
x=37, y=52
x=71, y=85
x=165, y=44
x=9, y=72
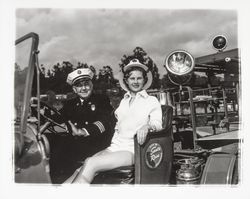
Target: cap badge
x=79, y=72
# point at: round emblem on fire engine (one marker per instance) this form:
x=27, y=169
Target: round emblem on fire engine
x=153, y=155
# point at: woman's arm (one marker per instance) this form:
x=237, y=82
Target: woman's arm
x=155, y=116
x=154, y=123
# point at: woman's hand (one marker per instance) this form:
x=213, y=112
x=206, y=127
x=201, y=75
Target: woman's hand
x=142, y=134
x=76, y=131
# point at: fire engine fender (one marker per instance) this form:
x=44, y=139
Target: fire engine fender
x=219, y=169
x=32, y=166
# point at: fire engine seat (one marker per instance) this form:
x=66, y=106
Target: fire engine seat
x=153, y=159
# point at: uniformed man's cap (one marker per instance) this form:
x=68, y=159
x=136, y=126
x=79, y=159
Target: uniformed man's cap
x=80, y=73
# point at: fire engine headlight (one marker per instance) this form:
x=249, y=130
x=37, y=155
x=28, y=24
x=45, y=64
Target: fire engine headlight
x=179, y=63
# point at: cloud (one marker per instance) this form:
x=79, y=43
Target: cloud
x=52, y=47
x=102, y=36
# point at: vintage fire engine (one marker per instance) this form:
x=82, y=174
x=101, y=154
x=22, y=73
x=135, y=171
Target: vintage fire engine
x=199, y=144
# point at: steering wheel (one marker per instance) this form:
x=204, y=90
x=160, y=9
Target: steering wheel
x=51, y=117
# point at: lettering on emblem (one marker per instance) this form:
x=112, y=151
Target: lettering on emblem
x=153, y=155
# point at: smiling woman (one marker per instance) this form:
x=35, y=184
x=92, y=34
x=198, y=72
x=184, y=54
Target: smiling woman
x=135, y=81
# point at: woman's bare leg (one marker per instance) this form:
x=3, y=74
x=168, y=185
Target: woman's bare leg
x=73, y=176
x=101, y=162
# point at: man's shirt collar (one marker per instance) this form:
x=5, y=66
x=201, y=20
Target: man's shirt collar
x=81, y=100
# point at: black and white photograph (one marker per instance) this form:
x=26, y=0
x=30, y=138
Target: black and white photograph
x=129, y=97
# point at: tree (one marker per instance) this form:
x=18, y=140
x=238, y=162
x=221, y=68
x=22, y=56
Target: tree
x=105, y=79
x=56, y=80
x=106, y=74
x=85, y=65
x=141, y=55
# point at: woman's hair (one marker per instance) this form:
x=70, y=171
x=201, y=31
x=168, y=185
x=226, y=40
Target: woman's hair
x=127, y=74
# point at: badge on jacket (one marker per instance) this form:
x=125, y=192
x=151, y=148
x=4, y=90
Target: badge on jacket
x=92, y=107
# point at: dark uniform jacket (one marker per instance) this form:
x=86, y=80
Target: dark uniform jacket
x=95, y=115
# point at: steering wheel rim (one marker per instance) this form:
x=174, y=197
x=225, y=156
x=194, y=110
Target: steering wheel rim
x=56, y=114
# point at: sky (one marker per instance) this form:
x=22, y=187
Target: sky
x=101, y=37
x=100, y=33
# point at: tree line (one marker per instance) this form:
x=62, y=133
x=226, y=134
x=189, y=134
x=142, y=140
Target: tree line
x=55, y=79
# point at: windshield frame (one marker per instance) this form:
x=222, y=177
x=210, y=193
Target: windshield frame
x=29, y=77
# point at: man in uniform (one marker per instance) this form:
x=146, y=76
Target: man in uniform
x=91, y=122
